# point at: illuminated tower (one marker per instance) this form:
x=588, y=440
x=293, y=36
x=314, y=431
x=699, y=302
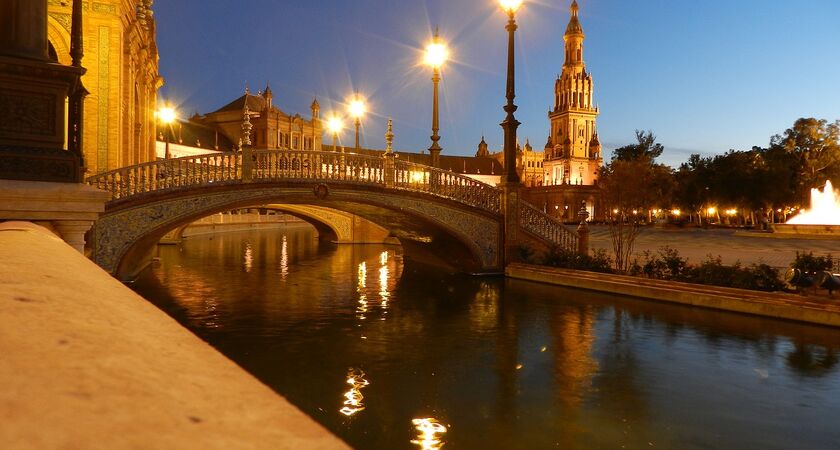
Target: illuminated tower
x=575, y=153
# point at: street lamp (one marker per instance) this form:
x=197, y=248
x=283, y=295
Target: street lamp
x=167, y=116
x=335, y=125
x=357, y=109
x=436, y=55
x=510, y=124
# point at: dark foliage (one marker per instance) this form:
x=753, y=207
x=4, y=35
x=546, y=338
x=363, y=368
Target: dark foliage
x=598, y=261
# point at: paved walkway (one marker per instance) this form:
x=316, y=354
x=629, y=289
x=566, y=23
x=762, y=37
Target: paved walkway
x=695, y=244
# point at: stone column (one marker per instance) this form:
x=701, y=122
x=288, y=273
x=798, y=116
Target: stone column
x=23, y=29
x=510, y=210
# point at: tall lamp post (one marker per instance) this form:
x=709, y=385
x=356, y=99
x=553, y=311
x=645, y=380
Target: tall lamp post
x=436, y=55
x=510, y=123
x=167, y=116
x=357, y=109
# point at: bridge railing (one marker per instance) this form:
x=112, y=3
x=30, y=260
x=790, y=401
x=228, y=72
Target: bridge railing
x=532, y=219
x=166, y=174
x=417, y=177
x=295, y=165
x=274, y=165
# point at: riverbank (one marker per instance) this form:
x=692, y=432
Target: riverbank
x=813, y=310
x=87, y=363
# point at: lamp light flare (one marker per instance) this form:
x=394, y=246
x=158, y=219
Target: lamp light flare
x=167, y=114
x=436, y=54
x=357, y=108
x=334, y=124
x=510, y=6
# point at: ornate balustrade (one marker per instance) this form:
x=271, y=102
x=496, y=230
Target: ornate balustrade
x=546, y=227
x=294, y=165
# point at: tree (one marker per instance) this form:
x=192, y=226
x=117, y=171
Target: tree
x=692, y=185
x=633, y=182
x=815, y=146
x=645, y=148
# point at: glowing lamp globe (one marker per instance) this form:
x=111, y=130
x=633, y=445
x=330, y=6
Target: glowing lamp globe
x=357, y=108
x=167, y=115
x=510, y=6
x=436, y=54
x=334, y=125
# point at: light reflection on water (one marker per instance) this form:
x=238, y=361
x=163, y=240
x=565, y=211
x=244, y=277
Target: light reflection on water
x=508, y=364
x=429, y=433
x=353, y=398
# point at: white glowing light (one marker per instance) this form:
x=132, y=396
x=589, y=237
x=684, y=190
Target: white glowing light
x=510, y=6
x=167, y=114
x=436, y=54
x=357, y=108
x=334, y=124
x=825, y=208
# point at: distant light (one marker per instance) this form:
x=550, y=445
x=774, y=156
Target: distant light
x=510, y=6
x=676, y=212
x=436, y=54
x=357, y=108
x=615, y=211
x=167, y=114
x=711, y=210
x=335, y=125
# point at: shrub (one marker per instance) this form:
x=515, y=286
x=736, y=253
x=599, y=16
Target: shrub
x=599, y=261
x=757, y=277
x=668, y=265
x=807, y=262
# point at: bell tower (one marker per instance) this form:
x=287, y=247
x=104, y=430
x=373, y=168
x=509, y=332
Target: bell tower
x=574, y=160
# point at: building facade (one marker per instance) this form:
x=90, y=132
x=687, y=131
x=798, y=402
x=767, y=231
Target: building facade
x=573, y=151
x=121, y=59
x=272, y=128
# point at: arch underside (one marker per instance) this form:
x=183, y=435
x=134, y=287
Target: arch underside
x=126, y=231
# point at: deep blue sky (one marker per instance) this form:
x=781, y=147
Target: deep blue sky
x=706, y=76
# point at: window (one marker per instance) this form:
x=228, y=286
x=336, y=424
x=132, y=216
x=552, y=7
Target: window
x=295, y=143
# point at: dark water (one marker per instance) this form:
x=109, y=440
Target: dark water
x=364, y=342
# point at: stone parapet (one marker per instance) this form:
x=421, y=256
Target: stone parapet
x=87, y=363
x=68, y=208
x=768, y=304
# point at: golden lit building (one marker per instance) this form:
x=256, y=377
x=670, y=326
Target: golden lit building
x=573, y=152
x=529, y=163
x=121, y=58
x=272, y=128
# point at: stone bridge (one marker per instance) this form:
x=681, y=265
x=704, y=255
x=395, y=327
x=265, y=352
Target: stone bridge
x=453, y=215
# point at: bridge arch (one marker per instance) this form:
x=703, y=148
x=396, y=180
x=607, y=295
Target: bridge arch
x=126, y=234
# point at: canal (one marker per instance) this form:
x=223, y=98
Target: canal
x=390, y=354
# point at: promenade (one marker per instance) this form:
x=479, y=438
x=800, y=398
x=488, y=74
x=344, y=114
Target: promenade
x=731, y=245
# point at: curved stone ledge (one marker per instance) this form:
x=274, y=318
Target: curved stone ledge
x=87, y=363
x=767, y=304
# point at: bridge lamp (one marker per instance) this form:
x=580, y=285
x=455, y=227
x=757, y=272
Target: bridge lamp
x=510, y=6
x=510, y=124
x=436, y=55
x=335, y=125
x=357, y=109
x=167, y=116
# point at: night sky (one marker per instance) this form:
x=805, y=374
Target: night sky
x=705, y=76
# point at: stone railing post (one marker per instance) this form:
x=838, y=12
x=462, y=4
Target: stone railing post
x=389, y=168
x=583, y=231
x=247, y=164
